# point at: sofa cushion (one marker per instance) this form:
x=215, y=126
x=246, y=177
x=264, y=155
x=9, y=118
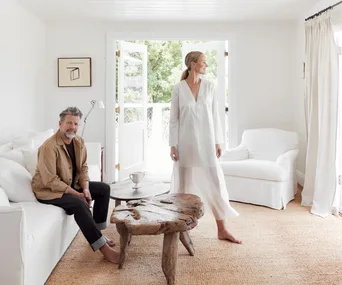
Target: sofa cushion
x=40, y=137
x=40, y=220
x=15, y=155
x=23, y=142
x=30, y=159
x=6, y=147
x=3, y=198
x=16, y=181
x=255, y=169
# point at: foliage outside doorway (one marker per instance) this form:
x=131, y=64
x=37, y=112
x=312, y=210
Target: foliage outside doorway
x=164, y=66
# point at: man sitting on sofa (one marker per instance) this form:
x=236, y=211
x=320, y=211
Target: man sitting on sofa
x=61, y=179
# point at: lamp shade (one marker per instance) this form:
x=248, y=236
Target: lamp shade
x=101, y=105
x=97, y=104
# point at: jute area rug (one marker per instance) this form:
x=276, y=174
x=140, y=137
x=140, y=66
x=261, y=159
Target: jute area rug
x=279, y=247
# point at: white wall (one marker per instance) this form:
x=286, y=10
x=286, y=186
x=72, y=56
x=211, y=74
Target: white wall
x=299, y=110
x=261, y=59
x=263, y=76
x=76, y=41
x=22, y=69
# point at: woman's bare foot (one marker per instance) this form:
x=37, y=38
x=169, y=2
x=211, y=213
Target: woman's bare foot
x=110, y=254
x=225, y=235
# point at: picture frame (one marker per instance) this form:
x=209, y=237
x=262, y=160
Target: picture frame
x=74, y=72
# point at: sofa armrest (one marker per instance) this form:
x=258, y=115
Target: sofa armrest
x=94, y=173
x=287, y=159
x=93, y=153
x=12, y=243
x=238, y=153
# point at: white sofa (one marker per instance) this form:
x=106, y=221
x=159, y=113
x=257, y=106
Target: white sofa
x=34, y=236
x=261, y=170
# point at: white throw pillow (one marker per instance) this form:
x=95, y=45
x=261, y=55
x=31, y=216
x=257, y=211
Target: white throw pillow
x=30, y=159
x=3, y=198
x=41, y=137
x=15, y=155
x=16, y=181
x=6, y=147
x=23, y=142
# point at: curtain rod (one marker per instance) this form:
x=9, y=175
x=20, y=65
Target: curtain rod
x=324, y=10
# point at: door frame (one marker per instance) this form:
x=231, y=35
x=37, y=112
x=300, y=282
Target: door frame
x=110, y=87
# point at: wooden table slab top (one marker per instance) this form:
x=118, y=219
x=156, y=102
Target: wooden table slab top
x=162, y=214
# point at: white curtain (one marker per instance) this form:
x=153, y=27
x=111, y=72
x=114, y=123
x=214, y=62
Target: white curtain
x=321, y=99
x=337, y=205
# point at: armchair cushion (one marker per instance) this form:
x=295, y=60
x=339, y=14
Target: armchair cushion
x=238, y=153
x=255, y=169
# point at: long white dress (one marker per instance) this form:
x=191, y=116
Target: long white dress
x=195, y=128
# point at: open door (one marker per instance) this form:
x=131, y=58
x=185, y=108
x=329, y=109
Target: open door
x=216, y=72
x=132, y=99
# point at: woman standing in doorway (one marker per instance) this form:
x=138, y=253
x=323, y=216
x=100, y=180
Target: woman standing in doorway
x=195, y=137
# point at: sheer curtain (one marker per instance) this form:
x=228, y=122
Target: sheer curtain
x=321, y=114
x=337, y=205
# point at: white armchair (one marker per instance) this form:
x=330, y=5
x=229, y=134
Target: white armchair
x=261, y=170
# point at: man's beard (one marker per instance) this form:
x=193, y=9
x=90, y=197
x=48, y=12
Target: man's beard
x=70, y=135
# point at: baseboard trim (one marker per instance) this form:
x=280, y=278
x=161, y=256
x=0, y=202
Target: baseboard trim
x=300, y=178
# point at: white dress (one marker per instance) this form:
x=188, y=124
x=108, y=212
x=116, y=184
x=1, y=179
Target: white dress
x=195, y=128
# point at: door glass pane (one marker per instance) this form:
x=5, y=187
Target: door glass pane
x=211, y=73
x=133, y=77
x=134, y=114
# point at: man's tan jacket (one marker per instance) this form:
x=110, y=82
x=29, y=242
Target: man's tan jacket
x=54, y=168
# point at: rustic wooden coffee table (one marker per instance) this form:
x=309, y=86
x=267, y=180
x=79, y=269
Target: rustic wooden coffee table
x=123, y=191
x=172, y=215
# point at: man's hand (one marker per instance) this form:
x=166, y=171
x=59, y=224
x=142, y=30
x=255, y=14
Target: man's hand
x=81, y=195
x=87, y=196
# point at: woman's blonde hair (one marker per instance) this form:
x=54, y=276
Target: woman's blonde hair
x=190, y=57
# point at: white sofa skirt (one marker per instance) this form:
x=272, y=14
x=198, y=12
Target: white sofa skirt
x=36, y=237
x=273, y=194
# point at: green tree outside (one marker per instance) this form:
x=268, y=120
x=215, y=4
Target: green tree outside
x=165, y=68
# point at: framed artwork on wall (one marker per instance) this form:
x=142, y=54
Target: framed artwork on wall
x=74, y=71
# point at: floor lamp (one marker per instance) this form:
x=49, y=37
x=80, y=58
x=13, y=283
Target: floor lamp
x=94, y=104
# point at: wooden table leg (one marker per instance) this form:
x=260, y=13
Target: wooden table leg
x=118, y=203
x=124, y=238
x=187, y=242
x=170, y=254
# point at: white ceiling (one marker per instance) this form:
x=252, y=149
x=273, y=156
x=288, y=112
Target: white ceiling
x=169, y=10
